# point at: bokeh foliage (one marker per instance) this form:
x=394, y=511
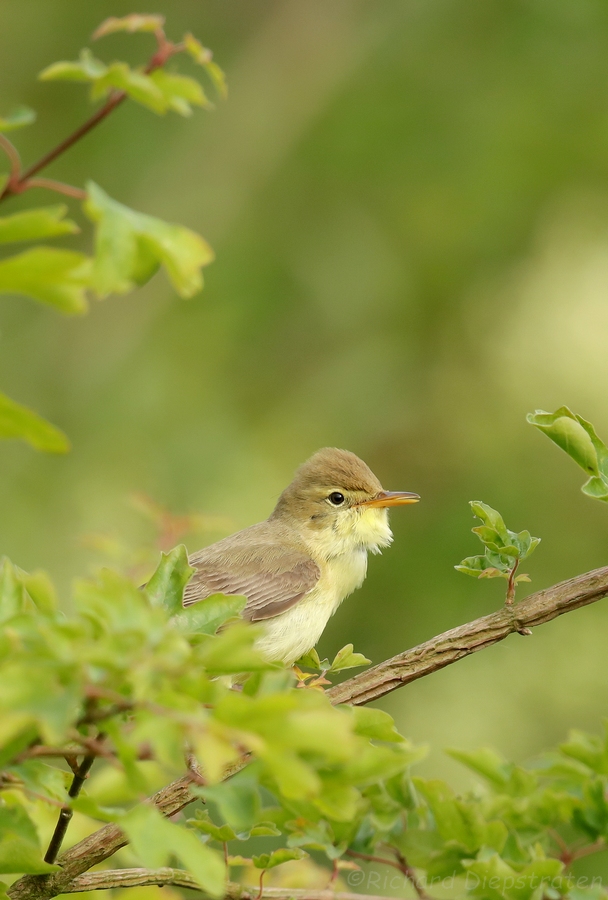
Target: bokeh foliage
x=139, y=684
x=408, y=206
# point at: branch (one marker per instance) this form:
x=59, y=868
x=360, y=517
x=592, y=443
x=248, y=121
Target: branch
x=429, y=657
x=22, y=181
x=123, y=878
x=65, y=816
x=459, y=642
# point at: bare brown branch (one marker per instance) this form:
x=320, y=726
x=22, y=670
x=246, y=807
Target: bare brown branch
x=449, y=647
x=123, y=878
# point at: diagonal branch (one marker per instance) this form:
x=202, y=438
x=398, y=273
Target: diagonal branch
x=19, y=182
x=123, y=878
x=459, y=642
x=429, y=657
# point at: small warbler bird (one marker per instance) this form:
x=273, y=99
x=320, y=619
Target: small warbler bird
x=297, y=567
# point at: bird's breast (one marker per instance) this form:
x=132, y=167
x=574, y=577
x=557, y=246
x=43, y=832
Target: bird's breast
x=294, y=632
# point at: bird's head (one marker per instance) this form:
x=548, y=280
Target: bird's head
x=335, y=498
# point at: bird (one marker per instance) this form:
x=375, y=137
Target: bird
x=296, y=567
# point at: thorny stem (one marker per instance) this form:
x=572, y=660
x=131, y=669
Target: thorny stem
x=22, y=181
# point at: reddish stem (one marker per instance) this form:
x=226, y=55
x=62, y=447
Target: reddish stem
x=20, y=182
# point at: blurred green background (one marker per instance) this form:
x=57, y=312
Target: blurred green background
x=409, y=206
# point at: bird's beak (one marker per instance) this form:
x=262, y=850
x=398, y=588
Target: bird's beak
x=391, y=498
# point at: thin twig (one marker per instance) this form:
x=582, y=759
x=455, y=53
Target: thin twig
x=399, y=863
x=20, y=182
x=58, y=186
x=366, y=857
x=66, y=813
x=589, y=849
x=511, y=586
x=13, y=155
x=429, y=657
x=411, y=876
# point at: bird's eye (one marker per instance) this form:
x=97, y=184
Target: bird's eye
x=336, y=498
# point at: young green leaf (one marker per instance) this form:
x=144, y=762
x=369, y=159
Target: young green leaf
x=32, y=224
x=20, y=117
x=180, y=92
x=204, y=57
x=277, y=857
x=311, y=660
x=131, y=23
x=24, y=424
x=87, y=68
x=57, y=278
x=154, y=840
x=19, y=845
x=504, y=549
x=166, y=586
x=579, y=440
x=134, y=82
x=130, y=247
x=208, y=615
x=346, y=658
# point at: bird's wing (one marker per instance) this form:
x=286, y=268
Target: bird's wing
x=271, y=575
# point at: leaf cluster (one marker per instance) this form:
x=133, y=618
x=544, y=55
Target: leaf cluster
x=143, y=687
x=579, y=440
x=504, y=549
x=130, y=246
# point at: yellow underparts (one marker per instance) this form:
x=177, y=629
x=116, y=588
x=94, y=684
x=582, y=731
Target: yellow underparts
x=340, y=550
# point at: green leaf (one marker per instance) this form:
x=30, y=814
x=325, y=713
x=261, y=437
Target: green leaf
x=220, y=833
x=237, y=800
x=86, y=69
x=154, y=840
x=46, y=221
x=20, y=117
x=208, y=615
x=130, y=246
x=375, y=723
x=482, y=567
x=419, y=846
x=19, y=846
x=265, y=829
x=179, y=91
x=232, y=652
x=134, y=82
x=579, y=440
x=204, y=57
x=589, y=749
x=310, y=660
x=131, y=23
x=277, y=857
x=40, y=588
x=166, y=586
x=459, y=820
x=347, y=659
x=56, y=278
x=19, y=422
